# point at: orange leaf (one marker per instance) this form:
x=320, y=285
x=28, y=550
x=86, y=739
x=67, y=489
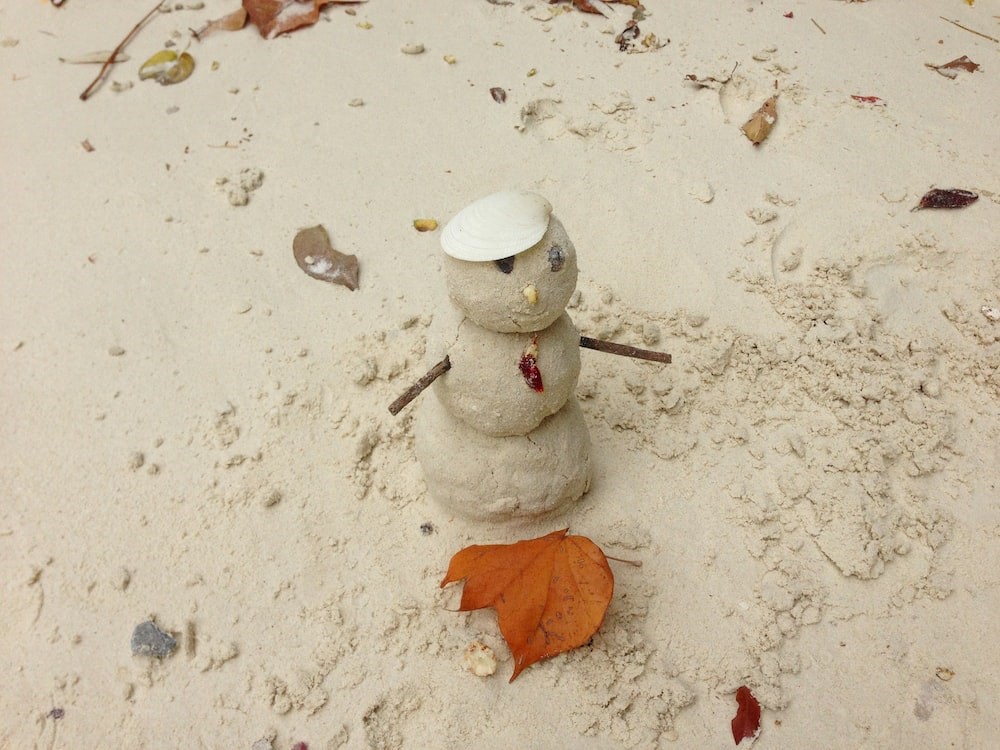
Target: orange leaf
x=273, y=17
x=550, y=593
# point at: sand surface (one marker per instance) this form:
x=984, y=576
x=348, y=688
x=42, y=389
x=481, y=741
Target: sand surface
x=193, y=430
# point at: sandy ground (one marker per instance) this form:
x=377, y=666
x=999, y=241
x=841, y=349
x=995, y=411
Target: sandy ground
x=195, y=431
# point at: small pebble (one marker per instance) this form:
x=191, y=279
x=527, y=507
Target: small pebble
x=356, y=103
x=412, y=49
x=480, y=659
x=136, y=460
x=149, y=640
x=115, y=351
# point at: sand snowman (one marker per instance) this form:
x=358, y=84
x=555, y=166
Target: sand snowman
x=503, y=436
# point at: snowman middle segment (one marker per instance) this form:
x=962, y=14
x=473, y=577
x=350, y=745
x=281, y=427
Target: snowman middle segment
x=503, y=435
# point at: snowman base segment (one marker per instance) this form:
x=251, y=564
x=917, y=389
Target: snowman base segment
x=482, y=477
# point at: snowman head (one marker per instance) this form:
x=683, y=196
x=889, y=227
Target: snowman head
x=509, y=265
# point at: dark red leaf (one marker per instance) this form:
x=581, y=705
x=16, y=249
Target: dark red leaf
x=498, y=94
x=866, y=99
x=950, y=198
x=528, y=365
x=746, y=723
x=789, y=14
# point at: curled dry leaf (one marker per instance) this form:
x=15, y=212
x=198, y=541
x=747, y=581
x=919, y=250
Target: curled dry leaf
x=498, y=94
x=273, y=17
x=946, y=198
x=167, y=67
x=758, y=127
x=950, y=69
x=314, y=254
x=550, y=593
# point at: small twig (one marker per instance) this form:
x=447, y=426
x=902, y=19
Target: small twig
x=114, y=53
x=818, y=26
x=971, y=31
x=624, y=350
x=417, y=388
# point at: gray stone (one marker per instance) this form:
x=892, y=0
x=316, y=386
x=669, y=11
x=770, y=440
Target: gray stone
x=149, y=640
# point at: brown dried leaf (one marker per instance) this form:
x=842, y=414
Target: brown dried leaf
x=586, y=7
x=231, y=22
x=314, y=254
x=950, y=69
x=758, y=127
x=273, y=17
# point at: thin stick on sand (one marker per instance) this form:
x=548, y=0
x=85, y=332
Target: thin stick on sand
x=624, y=350
x=114, y=55
x=971, y=31
x=586, y=342
x=420, y=386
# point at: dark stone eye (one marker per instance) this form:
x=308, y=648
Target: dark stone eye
x=556, y=258
x=505, y=264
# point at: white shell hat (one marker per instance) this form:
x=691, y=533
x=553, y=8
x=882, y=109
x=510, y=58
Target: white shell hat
x=497, y=226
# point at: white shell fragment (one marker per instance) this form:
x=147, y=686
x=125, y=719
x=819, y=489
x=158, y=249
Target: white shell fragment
x=497, y=226
x=480, y=659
